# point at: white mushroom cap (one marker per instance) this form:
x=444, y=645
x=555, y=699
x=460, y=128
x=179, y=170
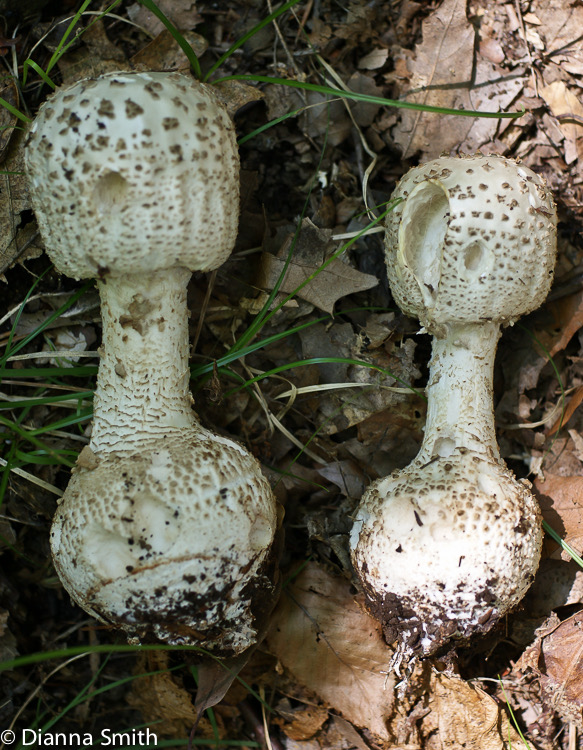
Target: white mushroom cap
x=448, y=545
x=165, y=529
x=472, y=240
x=134, y=172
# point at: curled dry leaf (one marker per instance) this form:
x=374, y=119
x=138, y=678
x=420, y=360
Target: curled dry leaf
x=300, y=722
x=568, y=319
x=324, y=638
x=160, y=697
x=334, y=648
x=464, y=716
x=561, y=502
x=556, y=657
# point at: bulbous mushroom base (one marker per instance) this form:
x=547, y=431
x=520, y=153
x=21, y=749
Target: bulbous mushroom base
x=176, y=542
x=442, y=555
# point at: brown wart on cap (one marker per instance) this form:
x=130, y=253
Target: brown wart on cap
x=165, y=529
x=448, y=545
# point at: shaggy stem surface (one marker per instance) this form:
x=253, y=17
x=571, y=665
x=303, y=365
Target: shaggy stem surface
x=460, y=412
x=142, y=387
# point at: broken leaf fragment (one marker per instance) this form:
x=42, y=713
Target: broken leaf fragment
x=311, y=249
x=556, y=657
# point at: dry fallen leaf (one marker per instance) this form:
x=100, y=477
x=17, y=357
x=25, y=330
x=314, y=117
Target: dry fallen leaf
x=374, y=59
x=557, y=584
x=323, y=116
x=182, y=13
x=568, y=319
x=300, y=722
x=8, y=643
x=312, y=247
x=8, y=121
x=322, y=636
x=464, y=716
x=445, y=73
x=561, y=502
x=163, y=53
x=364, y=112
x=161, y=698
x=560, y=26
x=443, y=62
x=347, y=475
x=343, y=407
x=556, y=657
x=566, y=107
x=15, y=238
x=334, y=648
x=571, y=406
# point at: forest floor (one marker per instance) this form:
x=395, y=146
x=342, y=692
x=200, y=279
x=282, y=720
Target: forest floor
x=320, y=679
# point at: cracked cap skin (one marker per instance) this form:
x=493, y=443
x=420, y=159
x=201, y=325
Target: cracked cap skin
x=473, y=239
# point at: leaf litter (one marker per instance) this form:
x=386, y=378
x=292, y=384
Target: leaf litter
x=323, y=666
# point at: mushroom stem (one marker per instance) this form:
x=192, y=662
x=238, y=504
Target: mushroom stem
x=165, y=529
x=448, y=545
x=460, y=413
x=144, y=322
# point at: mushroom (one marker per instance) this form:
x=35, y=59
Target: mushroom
x=448, y=545
x=165, y=529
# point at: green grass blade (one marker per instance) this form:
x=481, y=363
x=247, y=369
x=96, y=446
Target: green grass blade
x=11, y=351
x=82, y=371
x=240, y=42
x=29, y=63
x=184, y=45
x=266, y=314
x=8, y=347
x=40, y=458
x=46, y=400
x=5, y=474
x=198, y=371
x=263, y=315
x=323, y=361
x=31, y=438
x=268, y=125
x=60, y=424
x=399, y=103
x=564, y=545
x=63, y=44
x=65, y=653
x=14, y=111
x=514, y=721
